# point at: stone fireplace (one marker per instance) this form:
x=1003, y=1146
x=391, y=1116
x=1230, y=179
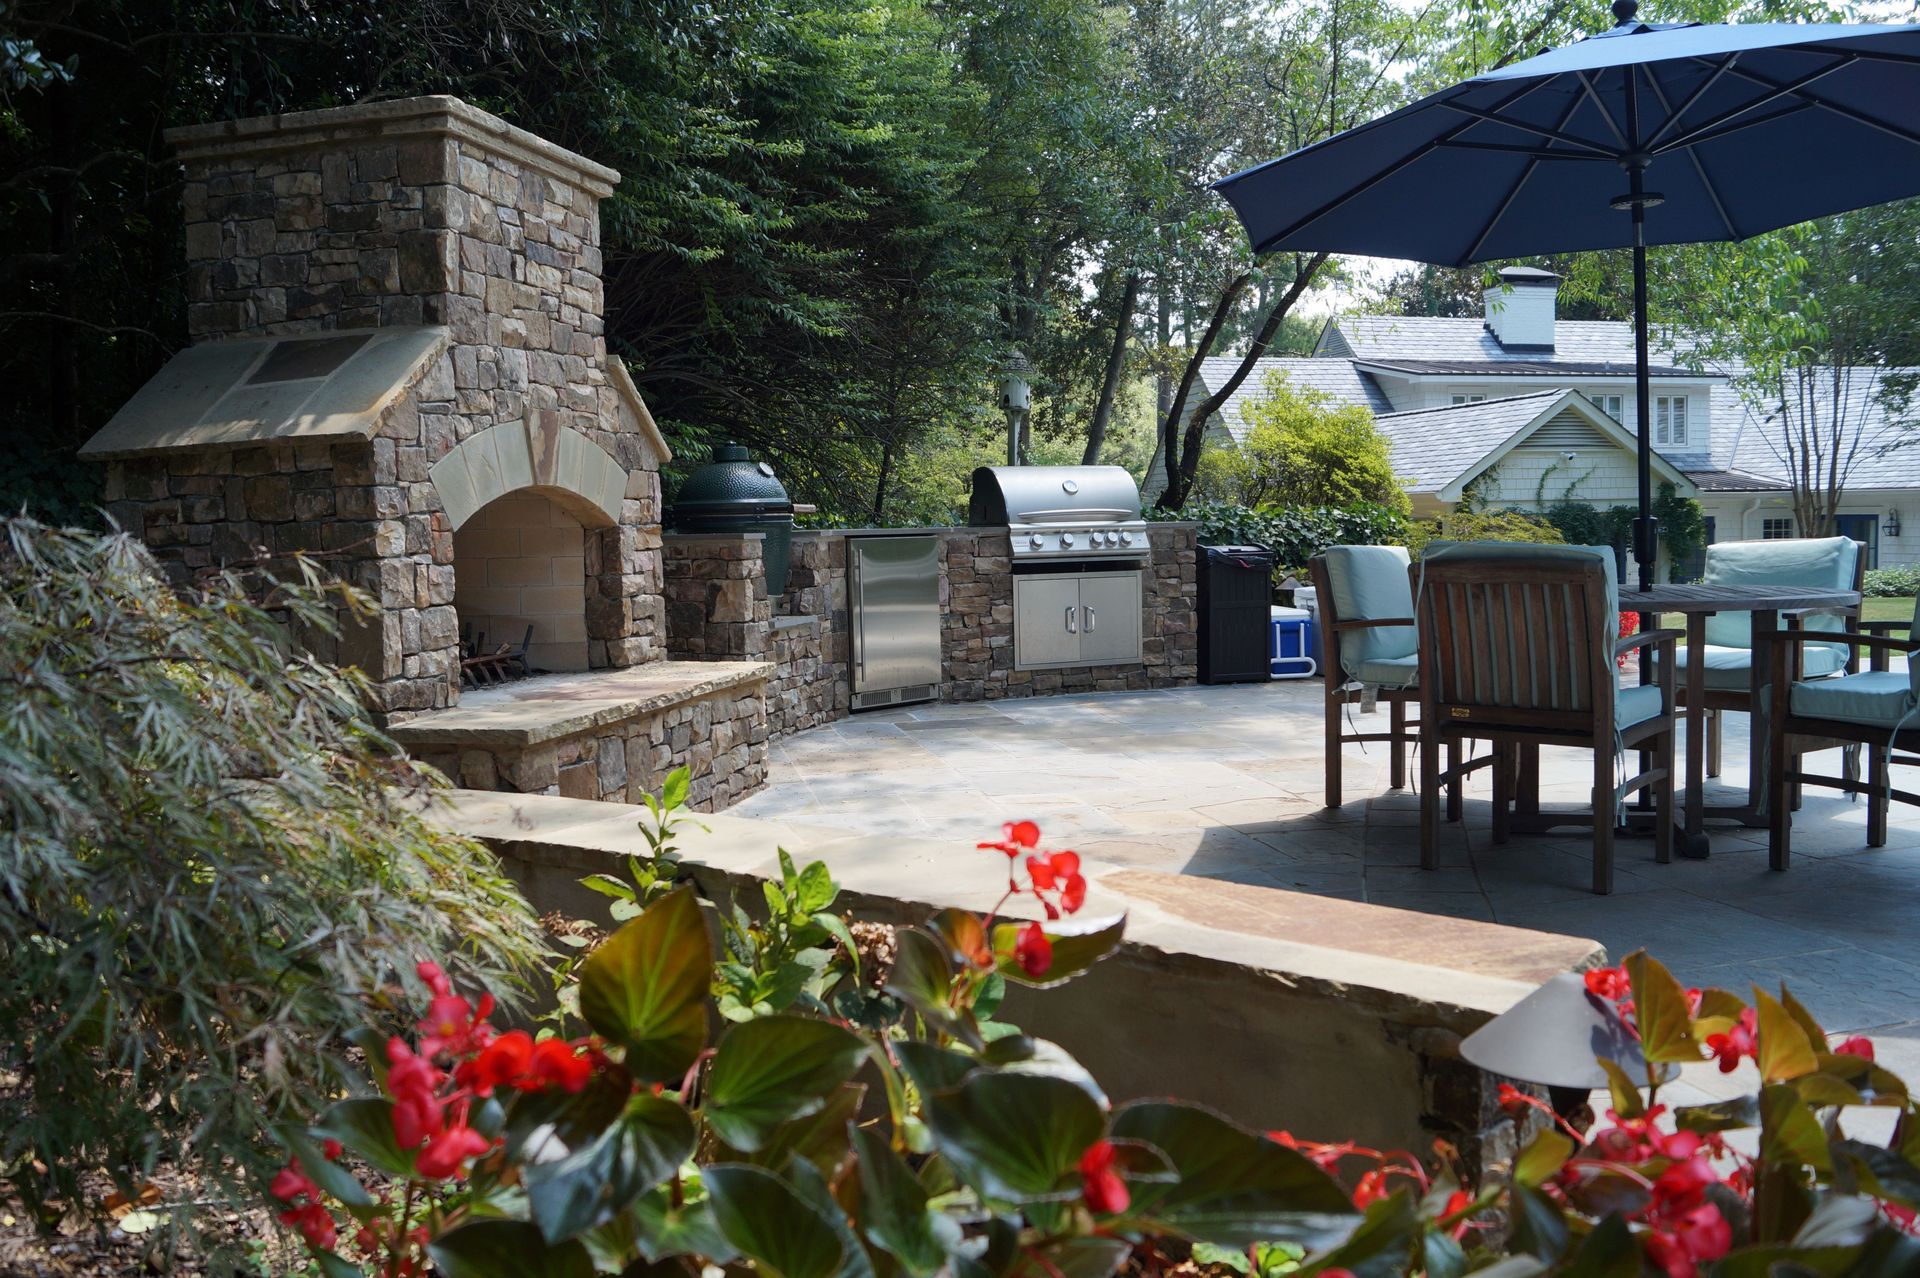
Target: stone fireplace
x=399, y=365
x=399, y=362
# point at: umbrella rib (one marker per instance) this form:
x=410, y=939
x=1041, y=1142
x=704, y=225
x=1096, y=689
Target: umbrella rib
x=1699, y=166
x=1537, y=152
x=1858, y=117
x=1353, y=193
x=1791, y=88
x=1513, y=194
x=1601, y=107
x=1491, y=117
x=1674, y=117
x=1699, y=137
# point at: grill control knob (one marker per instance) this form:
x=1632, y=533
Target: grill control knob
x=1036, y=541
x=1126, y=539
x=1101, y=539
x=1066, y=540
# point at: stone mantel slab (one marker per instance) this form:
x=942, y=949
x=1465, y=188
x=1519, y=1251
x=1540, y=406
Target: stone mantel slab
x=545, y=708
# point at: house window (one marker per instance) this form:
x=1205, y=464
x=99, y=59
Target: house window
x=1608, y=404
x=1468, y=399
x=1776, y=529
x=1669, y=420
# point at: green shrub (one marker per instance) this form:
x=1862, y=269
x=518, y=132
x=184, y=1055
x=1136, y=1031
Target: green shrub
x=1304, y=449
x=1483, y=525
x=1902, y=582
x=211, y=861
x=1294, y=534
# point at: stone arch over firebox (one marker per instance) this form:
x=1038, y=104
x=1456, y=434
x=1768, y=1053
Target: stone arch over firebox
x=556, y=461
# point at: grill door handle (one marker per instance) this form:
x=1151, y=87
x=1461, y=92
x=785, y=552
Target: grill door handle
x=1070, y=612
x=1090, y=618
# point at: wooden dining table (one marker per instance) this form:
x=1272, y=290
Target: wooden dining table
x=1766, y=604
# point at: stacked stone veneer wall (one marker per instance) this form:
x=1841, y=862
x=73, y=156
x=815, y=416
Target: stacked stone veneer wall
x=419, y=212
x=719, y=734
x=716, y=597
x=976, y=598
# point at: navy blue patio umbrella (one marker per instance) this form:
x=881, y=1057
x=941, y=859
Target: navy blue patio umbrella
x=1645, y=134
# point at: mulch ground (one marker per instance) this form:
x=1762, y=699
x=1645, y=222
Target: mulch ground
x=172, y=1230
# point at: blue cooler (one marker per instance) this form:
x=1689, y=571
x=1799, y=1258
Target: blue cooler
x=1291, y=643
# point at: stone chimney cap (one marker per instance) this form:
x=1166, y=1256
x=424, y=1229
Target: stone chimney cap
x=404, y=119
x=1524, y=276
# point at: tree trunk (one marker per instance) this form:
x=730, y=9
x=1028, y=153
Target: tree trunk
x=880, y=485
x=1174, y=495
x=1116, y=364
x=1180, y=478
x=1163, y=385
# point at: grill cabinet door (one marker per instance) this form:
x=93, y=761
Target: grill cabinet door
x=1110, y=618
x=1046, y=621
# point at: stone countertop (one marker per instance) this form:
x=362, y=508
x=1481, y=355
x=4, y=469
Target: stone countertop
x=954, y=528
x=1418, y=967
x=549, y=707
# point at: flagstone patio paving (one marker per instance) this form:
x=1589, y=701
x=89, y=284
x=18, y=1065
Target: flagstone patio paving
x=1225, y=782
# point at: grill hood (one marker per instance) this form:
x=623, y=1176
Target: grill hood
x=1017, y=495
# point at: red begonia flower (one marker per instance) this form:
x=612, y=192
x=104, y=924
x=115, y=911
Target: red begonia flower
x=1736, y=1044
x=291, y=1182
x=315, y=1224
x=1016, y=837
x=331, y=1149
x=1699, y=1237
x=1610, y=983
x=1106, y=1194
x=558, y=1063
x=448, y=1150
x=435, y=979
x=1033, y=950
x=501, y=1063
x=1858, y=1045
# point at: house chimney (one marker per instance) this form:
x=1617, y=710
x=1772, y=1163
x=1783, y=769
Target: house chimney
x=1520, y=309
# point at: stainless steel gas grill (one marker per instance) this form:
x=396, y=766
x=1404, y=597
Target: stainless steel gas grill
x=1079, y=545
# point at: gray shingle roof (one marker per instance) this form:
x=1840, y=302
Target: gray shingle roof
x=1888, y=453
x=1335, y=377
x=1433, y=446
x=1392, y=338
x=1508, y=366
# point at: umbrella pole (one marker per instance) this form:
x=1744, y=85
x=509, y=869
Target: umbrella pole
x=1645, y=529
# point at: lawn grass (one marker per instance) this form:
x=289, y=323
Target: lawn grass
x=1870, y=610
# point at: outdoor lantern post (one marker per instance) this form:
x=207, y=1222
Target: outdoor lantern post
x=1016, y=400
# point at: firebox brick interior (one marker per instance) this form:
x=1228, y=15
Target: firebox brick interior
x=399, y=363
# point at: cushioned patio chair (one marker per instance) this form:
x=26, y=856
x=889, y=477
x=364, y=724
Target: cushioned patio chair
x=1878, y=709
x=1832, y=563
x=1519, y=646
x=1367, y=649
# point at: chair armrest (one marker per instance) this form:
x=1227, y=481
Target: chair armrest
x=1880, y=627
x=1883, y=643
x=1627, y=643
x=1364, y=624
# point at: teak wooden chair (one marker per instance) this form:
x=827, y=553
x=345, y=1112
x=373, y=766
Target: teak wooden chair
x=1367, y=644
x=1833, y=563
x=1878, y=709
x=1519, y=646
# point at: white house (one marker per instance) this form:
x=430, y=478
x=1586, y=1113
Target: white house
x=1527, y=406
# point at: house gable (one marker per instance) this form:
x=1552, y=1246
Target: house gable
x=1592, y=456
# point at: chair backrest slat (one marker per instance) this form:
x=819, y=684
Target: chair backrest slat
x=1525, y=638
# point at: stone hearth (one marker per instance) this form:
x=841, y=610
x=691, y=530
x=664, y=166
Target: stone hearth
x=610, y=735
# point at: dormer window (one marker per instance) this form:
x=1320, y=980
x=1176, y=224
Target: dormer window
x=1468, y=399
x=1669, y=421
x=1608, y=404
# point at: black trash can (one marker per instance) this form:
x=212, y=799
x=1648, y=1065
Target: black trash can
x=1236, y=591
x=733, y=493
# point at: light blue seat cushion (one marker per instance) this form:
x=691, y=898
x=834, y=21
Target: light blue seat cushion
x=1370, y=583
x=1389, y=672
x=1731, y=668
x=1823, y=563
x=1878, y=697
x=1634, y=703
